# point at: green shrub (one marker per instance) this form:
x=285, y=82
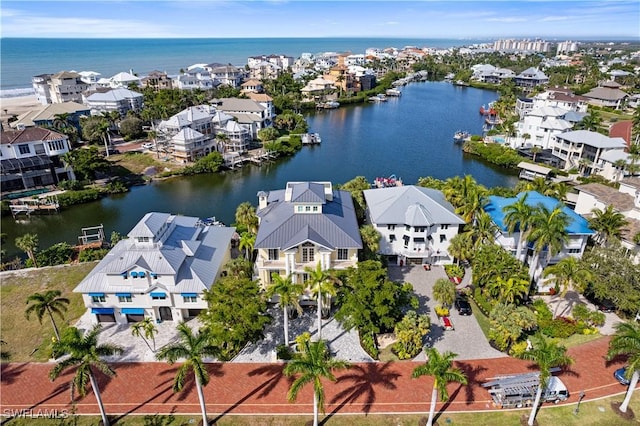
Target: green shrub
x=494, y=153
x=89, y=255
x=116, y=187
x=70, y=185
x=71, y=198
x=410, y=332
x=442, y=311
x=57, y=254
x=517, y=349
x=454, y=271
x=483, y=303
x=283, y=352
x=561, y=327
x=368, y=343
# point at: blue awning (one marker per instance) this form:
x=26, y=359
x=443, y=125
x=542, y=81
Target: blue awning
x=141, y=274
x=123, y=294
x=102, y=311
x=134, y=274
x=132, y=311
x=189, y=294
x=96, y=294
x=158, y=294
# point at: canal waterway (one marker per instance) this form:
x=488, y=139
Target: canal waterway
x=410, y=136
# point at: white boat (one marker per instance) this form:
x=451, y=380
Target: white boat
x=461, y=136
x=311, y=138
x=378, y=98
x=393, y=92
x=330, y=104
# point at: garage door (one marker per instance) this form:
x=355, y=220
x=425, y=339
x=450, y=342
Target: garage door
x=106, y=317
x=134, y=318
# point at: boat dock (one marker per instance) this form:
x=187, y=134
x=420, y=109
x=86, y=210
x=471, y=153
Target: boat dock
x=311, y=139
x=44, y=203
x=258, y=156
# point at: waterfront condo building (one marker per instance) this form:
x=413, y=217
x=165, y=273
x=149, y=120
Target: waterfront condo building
x=583, y=150
x=302, y=225
x=160, y=270
x=416, y=224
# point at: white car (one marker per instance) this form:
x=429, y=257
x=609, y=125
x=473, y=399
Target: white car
x=147, y=145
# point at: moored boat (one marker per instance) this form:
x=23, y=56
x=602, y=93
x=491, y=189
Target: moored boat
x=378, y=98
x=461, y=136
x=393, y=92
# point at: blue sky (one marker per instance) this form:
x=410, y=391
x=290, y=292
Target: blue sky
x=301, y=18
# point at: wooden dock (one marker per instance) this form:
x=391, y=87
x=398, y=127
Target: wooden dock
x=29, y=206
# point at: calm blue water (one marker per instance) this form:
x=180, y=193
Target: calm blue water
x=22, y=58
x=410, y=136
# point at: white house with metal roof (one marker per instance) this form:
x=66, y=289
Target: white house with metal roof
x=572, y=147
x=160, y=271
x=302, y=225
x=121, y=100
x=416, y=223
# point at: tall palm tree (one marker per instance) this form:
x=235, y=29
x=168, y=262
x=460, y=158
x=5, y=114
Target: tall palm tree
x=311, y=364
x=483, y=231
x=439, y=366
x=50, y=303
x=84, y=353
x=246, y=215
x=461, y=247
x=289, y=293
x=322, y=284
x=444, y=291
x=191, y=348
x=145, y=329
x=545, y=354
x=371, y=241
x=626, y=341
x=518, y=217
x=28, y=243
x=247, y=242
x=607, y=223
x=548, y=231
x=569, y=273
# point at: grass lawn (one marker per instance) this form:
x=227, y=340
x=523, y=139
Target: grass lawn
x=483, y=321
x=27, y=340
x=136, y=162
x=594, y=413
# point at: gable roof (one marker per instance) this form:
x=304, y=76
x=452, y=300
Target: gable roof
x=114, y=95
x=335, y=227
x=619, y=200
x=29, y=134
x=594, y=139
x=495, y=208
x=48, y=113
x=240, y=105
x=411, y=205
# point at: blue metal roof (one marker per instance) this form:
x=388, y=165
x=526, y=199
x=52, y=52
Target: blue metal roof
x=102, y=311
x=495, y=208
x=132, y=311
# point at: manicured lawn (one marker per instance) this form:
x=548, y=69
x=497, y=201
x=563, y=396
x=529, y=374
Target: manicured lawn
x=578, y=339
x=483, y=321
x=27, y=340
x=594, y=413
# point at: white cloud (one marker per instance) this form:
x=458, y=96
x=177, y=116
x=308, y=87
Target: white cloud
x=506, y=19
x=554, y=18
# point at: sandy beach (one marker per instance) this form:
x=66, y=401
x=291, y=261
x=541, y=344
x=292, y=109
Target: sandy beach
x=16, y=106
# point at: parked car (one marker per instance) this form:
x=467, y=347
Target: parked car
x=606, y=305
x=619, y=375
x=147, y=145
x=462, y=306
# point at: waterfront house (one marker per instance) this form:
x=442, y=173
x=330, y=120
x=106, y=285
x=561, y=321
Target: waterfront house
x=264, y=100
x=66, y=86
x=189, y=145
x=49, y=115
x=157, y=80
x=578, y=229
x=123, y=80
x=302, y=225
x=317, y=88
x=195, y=78
x=264, y=71
x=199, y=117
x=583, y=149
x=542, y=125
x=626, y=200
x=40, y=84
x=416, y=224
x=227, y=75
x=159, y=271
x=608, y=94
x=249, y=113
x=120, y=100
x=530, y=78
x=252, y=86
x=31, y=158
x=282, y=61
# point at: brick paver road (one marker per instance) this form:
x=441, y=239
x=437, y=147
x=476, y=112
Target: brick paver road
x=237, y=388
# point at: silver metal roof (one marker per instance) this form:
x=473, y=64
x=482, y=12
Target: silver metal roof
x=410, y=205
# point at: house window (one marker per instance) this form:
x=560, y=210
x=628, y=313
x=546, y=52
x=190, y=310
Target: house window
x=304, y=278
x=443, y=238
x=315, y=209
x=274, y=254
x=391, y=227
x=406, y=241
x=419, y=228
x=444, y=227
x=124, y=299
x=392, y=237
x=98, y=299
x=574, y=251
x=190, y=299
x=308, y=252
x=24, y=149
x=343, y=254
x=299, y=209
x=158, y=296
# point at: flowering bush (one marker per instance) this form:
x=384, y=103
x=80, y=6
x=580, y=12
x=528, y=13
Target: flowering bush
x=442, y=311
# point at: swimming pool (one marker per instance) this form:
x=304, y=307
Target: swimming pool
x=498, y=139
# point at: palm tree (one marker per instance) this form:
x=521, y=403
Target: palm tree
x=289, y=293
x=607, y=223
x=247, y=241
x=507, y=291
x=145, y=329
x=620, y=166
x=535, y=151
x=461, y=247
x=322, y=285
x=49, y=303
x=545, y=354
x=626, y=341
x=85, y=354
x=103, y=130
x=28, y=243
x=444, y=291
x=191, y=347
x=246, y=215
x=312, y=363
x=548, y=231
x=439, y=366
x=518, y=216
x=569, y=273
x=371, y=241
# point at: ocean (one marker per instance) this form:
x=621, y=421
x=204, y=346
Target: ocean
x=23, y=58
